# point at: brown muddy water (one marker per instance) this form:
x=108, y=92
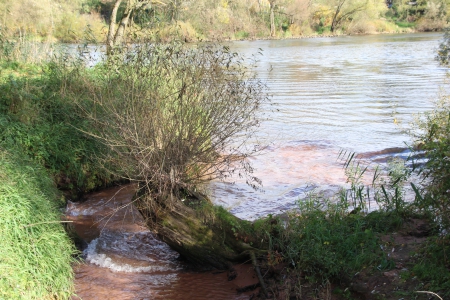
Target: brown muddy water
x=125, y=260
x=356, y=94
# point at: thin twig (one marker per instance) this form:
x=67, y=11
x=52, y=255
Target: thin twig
x=258, y=273
x=426, y=292
x=48, y=222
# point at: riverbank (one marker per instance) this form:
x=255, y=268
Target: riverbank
x=400, y=275
x=321, y=243
x=88, y=20
x=123, y=256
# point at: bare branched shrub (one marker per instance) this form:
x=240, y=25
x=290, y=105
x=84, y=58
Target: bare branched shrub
x=175, y=117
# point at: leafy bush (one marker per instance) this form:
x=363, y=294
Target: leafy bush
x=443, y=54
x=432, y=136
x=240, y=35
x=324, y=242
x=425, y=24
x=36, y=254
x=75, y=28
x=404, y=24
x=181, y=31
x=37, y=119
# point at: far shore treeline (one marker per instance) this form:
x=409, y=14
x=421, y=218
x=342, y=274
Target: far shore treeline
x=81, y=20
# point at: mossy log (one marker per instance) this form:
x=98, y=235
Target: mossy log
x=211, y=239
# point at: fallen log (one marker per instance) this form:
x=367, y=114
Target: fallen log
x=208, y=237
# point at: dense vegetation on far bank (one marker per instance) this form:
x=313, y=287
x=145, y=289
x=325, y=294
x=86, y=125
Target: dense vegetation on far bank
x=80, y=20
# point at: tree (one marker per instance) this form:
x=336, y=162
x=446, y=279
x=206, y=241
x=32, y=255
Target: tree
x=344, y=9
x=116, y=30
x=173, y=118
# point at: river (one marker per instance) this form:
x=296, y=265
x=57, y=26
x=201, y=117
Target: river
x=352, y=93
x=357, y=93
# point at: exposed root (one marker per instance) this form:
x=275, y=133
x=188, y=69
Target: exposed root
x=258, y=273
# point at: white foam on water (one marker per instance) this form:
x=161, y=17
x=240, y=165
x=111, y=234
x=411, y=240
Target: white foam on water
x=74, y=209
x=102, y=260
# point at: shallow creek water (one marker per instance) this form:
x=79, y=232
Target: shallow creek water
x=125, y=260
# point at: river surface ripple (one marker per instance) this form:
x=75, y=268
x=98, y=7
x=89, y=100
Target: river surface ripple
x=352, y=93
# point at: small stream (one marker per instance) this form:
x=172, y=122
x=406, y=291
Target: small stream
x=125, y=260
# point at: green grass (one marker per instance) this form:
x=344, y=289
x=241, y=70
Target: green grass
x=38, y=119
x=404, y=24
x=433, y=266
x=41, y=148
x=35, y=253
x=325, y=242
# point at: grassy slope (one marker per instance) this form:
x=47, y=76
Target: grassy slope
x=38, y=147
x=36, y=254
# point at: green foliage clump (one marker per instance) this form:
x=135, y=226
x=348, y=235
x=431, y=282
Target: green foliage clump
x=432, y=136
x=36, y=118
x=327, y=243
x=405, y=24
x=240, y=35
x=36, y=253
x=443, y=54
x=433, y=266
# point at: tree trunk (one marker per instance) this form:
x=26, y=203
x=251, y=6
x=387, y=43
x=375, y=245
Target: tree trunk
x=118, y=38
x=336, y=18
x=112, y=28
x=272, y=18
